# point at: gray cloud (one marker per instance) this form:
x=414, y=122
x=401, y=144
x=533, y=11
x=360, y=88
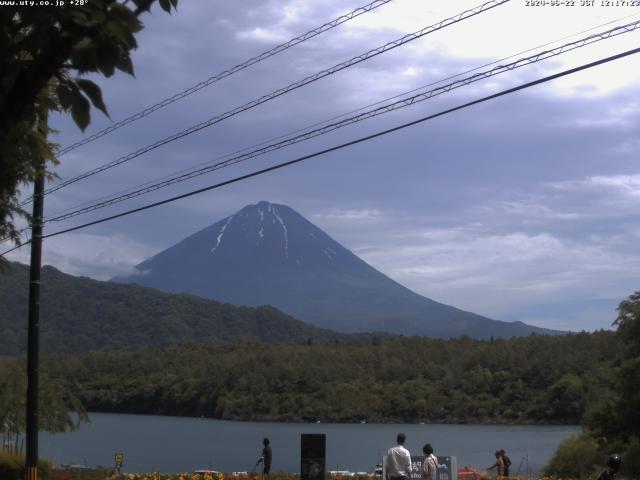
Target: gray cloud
x=523, y=208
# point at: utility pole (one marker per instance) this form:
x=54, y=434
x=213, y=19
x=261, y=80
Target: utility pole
x=33, y=343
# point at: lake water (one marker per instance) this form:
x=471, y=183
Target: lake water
x=175, y=444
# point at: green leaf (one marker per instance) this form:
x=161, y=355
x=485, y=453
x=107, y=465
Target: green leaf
x=121, y=34
x=9, y=78
x=107, y=57
x=122, y=14
x=84, y=60
x=106, y=70
x=143, y=5
x=65, y=96
x=82, y=18
x=125, y=64
x=94, y=93
x=83, y=44
x=80, y=111
x=165, y=5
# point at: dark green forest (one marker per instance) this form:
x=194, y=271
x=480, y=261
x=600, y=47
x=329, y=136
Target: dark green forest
x=536, y=379
x=612, y=421
x=80, y=314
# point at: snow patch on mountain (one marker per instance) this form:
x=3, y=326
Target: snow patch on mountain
x=284, y=229
x=219, y=239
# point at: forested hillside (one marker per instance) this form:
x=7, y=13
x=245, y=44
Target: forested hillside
x=79, y=314
x=537, y=379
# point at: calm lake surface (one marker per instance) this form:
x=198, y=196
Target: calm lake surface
x=175, y=444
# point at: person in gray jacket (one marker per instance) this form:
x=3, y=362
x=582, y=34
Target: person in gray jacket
x=429, y=464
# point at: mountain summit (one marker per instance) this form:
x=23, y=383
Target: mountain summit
x=270, y=254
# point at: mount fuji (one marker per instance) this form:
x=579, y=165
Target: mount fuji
x=270, y=254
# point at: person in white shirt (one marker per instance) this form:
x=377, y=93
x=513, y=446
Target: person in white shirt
x=430, y=463
x=398, y=462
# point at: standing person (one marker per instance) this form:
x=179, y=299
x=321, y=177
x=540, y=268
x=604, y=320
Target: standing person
x=266, y=457
x=430, y=463
x=499, y=465
x=507, y=462
x=613, y=465
x=398, y=462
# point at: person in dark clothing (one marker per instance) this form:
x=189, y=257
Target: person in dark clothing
x=507, y=462
x=266, y=457
x=613, y=465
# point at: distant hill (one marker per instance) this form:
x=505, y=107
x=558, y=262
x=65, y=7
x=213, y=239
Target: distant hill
x=270, y=254
x=79, y=314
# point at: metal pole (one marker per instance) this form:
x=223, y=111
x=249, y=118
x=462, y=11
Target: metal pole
x=33, y=347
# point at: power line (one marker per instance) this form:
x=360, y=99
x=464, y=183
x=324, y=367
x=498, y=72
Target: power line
x=307, y=80
x=406, y=102
x=219, y=76
x=347, y=144
x=151, y=183
x=19, y=232
x=15, y=248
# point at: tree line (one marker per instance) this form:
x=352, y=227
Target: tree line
x=536, y=379
x=60, y=409
x=612, y=422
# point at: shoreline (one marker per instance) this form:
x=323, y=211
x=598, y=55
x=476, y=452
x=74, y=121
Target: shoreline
x=355, y=422
x=174, y=444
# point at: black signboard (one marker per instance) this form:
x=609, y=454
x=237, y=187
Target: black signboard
x=312, y=454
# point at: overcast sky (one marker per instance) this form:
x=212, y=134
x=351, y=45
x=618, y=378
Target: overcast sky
x=522, y=208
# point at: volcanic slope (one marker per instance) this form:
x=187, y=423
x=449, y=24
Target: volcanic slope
x=268, y=254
